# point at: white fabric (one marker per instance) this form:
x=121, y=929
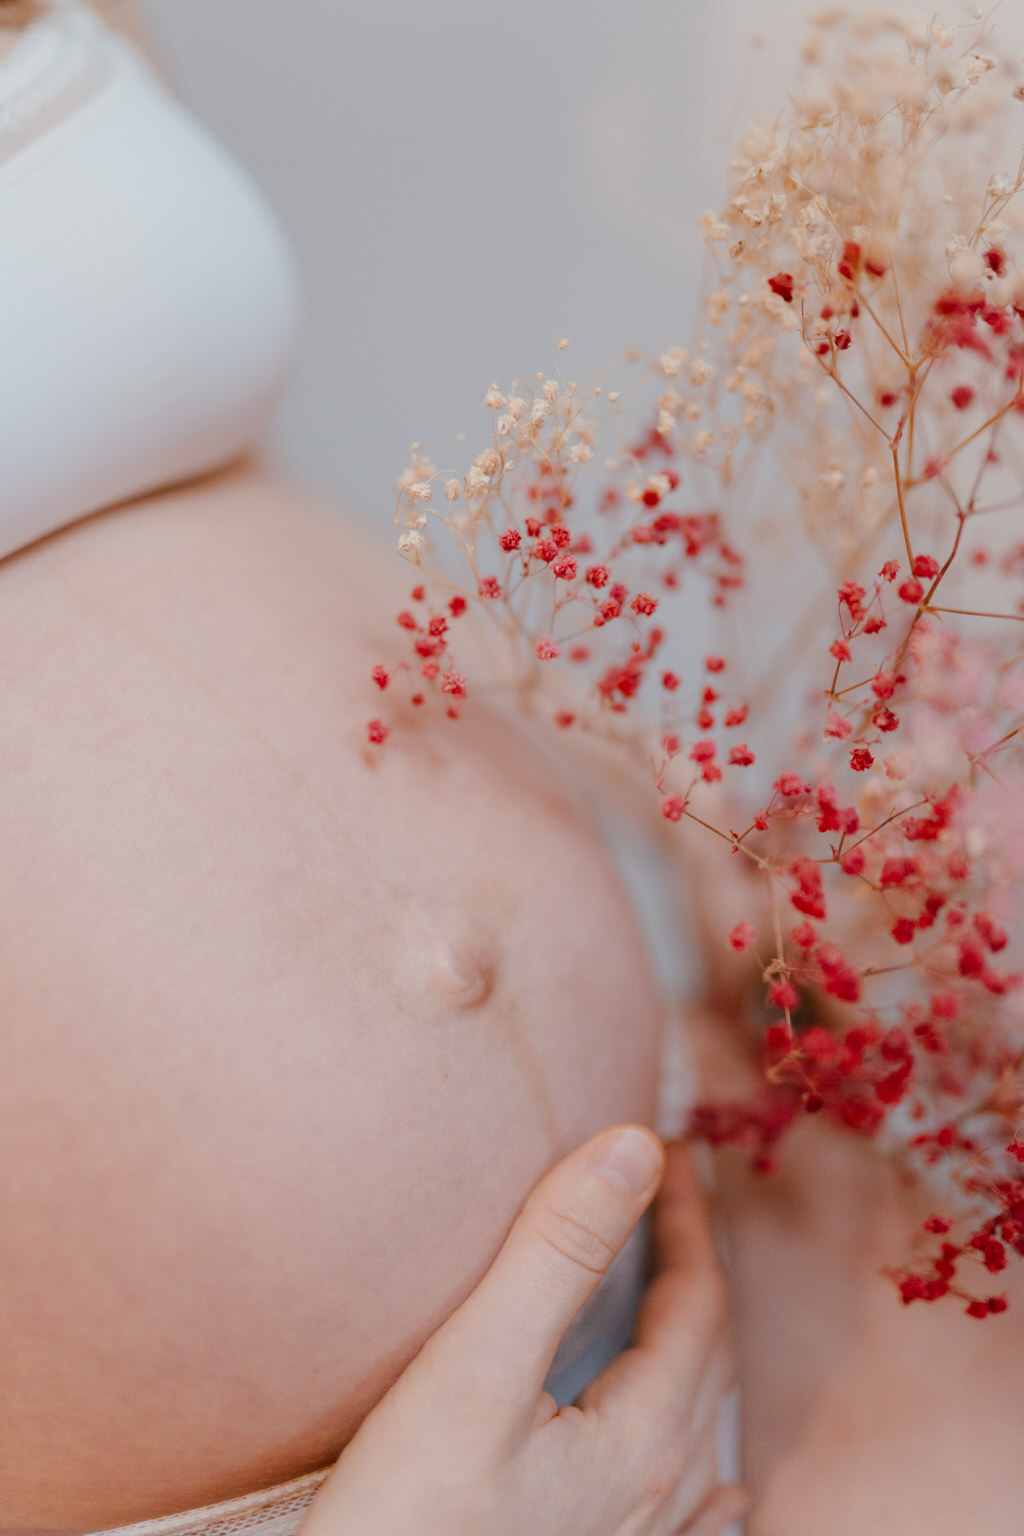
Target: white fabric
x=148, y=309
x=271, y=1512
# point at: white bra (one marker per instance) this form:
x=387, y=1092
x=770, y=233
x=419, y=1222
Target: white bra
x=147, y=298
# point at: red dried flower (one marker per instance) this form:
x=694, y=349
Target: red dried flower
x=831, y=816
x=453, y=683
x=884, y=684
x=741, y=938
x=840, y=978
x=783, y=994
x=852, y=594
x=782, y=284
x=897, y=871
x=790, y=784
x=809, y=896
x=837, y=728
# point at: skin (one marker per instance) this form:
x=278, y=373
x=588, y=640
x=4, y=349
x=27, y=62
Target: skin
x=218, y=1313
x=861, y=1415
x=858, y=1415
x=120, y=14
x=467, y=1443
x=12, y=19
x=290, y=1026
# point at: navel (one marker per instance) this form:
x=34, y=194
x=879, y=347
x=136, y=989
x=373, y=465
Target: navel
x=463, y=971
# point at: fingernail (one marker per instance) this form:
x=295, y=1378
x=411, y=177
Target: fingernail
x=630, y=1159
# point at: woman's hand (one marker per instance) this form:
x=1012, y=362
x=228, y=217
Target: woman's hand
x=467, y=1442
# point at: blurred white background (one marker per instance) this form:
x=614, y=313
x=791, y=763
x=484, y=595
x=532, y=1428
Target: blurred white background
x=464, y=183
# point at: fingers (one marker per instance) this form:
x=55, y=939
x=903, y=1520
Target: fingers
x=725, y=1506
x=560, y=1246
x=681, y=1232
x=679, y=1363
x=692, y=1467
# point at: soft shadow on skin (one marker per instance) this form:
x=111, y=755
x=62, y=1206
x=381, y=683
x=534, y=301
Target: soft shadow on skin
x=463, y=975
x=774, y=1214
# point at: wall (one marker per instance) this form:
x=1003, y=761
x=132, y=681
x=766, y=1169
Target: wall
x=466, y=182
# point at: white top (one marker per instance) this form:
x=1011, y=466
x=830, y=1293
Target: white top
x=148, y=304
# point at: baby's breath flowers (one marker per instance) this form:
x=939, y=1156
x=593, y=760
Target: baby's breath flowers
x=863, y=350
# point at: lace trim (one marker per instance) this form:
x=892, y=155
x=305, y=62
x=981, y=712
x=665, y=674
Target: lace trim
x=271, y=1512
x=60, y=62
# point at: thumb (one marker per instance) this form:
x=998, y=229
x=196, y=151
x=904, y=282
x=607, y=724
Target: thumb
x=559, y=1248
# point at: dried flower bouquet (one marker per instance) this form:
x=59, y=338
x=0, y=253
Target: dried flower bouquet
x=860, y=365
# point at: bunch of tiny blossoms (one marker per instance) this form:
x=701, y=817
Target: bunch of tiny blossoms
x=864, y=337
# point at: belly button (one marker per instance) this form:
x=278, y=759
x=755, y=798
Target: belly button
x=464, y=973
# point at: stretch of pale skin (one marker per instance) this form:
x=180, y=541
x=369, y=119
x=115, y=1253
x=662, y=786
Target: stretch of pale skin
x=290, y=1030
x=291, y=1026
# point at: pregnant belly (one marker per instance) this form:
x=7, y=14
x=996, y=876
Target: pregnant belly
x=289, y=1029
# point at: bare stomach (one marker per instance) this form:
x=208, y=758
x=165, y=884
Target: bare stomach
x=288, y=1028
